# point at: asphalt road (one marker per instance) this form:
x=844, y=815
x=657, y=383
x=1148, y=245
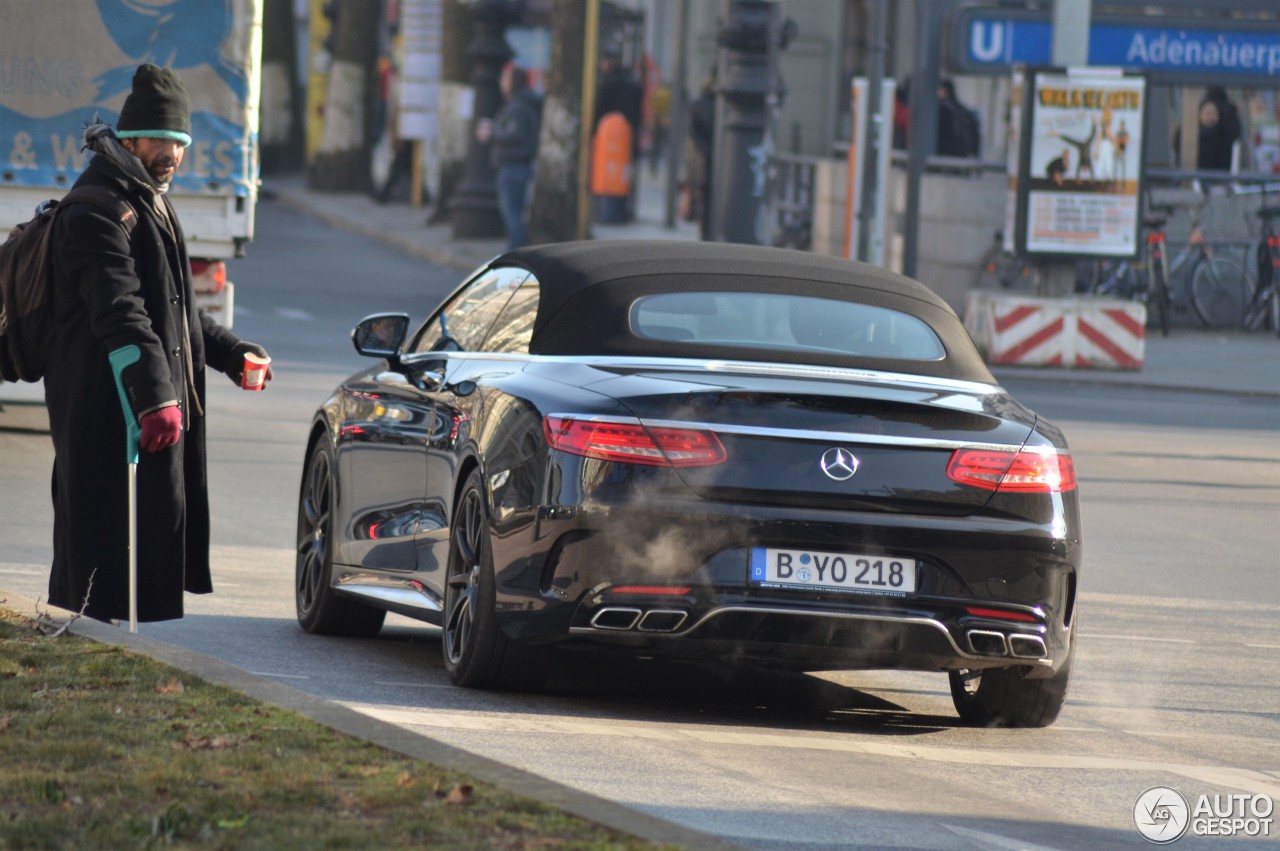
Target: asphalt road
x=1178, y=673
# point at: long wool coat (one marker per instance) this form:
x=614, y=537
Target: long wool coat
x=111, y=290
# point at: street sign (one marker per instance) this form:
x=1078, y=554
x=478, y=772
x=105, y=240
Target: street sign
x=1171, y=50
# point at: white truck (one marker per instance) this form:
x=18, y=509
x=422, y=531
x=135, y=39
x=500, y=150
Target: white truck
x=65, y=63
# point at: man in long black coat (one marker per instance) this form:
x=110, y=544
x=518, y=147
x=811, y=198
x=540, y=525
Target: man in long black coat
x=118, y=284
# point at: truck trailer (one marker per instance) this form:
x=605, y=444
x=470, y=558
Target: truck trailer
x=66, y=64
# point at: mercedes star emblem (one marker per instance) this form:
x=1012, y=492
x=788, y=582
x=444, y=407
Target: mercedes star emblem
x=839, y=464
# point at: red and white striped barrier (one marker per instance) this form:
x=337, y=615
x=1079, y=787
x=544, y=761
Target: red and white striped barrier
x=1084, y=333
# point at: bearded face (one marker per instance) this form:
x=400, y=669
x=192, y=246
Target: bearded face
x=160, y=157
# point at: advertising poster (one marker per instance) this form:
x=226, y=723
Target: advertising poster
x=1082, y=192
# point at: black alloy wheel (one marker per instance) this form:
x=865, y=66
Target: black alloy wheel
x=476, y=652
x=1006, y=697
x=321, y=610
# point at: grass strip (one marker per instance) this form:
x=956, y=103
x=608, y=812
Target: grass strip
x=103, y=748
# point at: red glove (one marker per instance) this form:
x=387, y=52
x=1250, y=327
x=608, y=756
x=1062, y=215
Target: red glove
x=161, y=428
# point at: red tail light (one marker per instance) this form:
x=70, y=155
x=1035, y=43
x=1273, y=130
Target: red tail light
x=208, y=276
x=1000, y=614
x=655, y=590
x=1027, y=471
x=632, y=443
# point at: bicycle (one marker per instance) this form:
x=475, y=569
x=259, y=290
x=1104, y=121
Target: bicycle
x=1215, y=284
x=1146, y=277
x=998, y=269
x=1264, y=300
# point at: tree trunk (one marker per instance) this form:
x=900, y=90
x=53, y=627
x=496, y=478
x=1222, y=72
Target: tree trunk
x=554, y=216
x=280, y=119
x=343, y=158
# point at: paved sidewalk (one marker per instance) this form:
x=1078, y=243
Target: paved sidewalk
x=1234, y=362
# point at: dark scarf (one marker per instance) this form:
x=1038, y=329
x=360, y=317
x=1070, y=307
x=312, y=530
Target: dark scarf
x=101, y=139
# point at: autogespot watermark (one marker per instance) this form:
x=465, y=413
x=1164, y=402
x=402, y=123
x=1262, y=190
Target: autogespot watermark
x=1163, y=815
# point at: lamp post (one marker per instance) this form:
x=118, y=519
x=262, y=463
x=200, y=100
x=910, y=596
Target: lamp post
x=751, y=34
x=474, y=209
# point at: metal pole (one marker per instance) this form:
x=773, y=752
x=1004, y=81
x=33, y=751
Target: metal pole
x=923, y=122
x=871, y=144
x=474, y=208
x=415, y=193
x=1070, y=48
x=676, y=119
x=133, y=547
x=744, y=93
x=1071, y=32
x=590, y=48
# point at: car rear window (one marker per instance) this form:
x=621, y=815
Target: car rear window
x=778, y=321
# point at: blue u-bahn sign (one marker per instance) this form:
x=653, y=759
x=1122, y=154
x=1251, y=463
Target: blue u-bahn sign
x=1174, y=50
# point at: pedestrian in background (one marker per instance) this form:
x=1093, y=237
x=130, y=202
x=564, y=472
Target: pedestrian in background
x=619, y=91
x=1219, y=131
x=1218, y=122
x=115, y=287
x=700, y=145
x=958, y=129
x=514, y=133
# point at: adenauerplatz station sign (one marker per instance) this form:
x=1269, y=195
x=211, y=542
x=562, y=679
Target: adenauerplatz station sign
x=1171, y=49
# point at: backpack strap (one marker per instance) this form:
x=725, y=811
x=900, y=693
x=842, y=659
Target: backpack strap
x=108, y=202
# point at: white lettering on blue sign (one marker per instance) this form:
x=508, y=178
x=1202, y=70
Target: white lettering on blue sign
x=1191, y=50
x=1254, y=52
x=987, y=41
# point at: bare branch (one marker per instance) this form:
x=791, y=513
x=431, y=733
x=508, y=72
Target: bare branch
x=53, y=628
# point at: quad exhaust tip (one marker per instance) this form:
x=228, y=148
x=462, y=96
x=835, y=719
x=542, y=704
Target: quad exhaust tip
x=623, y=618
x=987, y=643
x=662, y=620
x=614, y=617
x=1027, y=646
x=990, y=643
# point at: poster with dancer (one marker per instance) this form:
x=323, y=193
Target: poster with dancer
x=1082, y=189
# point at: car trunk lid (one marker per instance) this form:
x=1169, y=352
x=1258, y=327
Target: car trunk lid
x=853, y=441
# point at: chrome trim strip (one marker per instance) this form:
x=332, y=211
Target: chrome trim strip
x=399, y=595
x=769, y=610
x=798, y=434
x=811, y=371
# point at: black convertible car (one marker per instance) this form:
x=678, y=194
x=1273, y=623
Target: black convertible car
x=696, y=449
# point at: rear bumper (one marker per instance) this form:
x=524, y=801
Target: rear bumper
x=815, y=638
x=1022, y=576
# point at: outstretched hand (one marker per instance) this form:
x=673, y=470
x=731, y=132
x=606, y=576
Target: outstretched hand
x=235, y=365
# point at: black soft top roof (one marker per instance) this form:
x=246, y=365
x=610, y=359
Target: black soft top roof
x=587, y=288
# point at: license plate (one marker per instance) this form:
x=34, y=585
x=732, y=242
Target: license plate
x=833, y=571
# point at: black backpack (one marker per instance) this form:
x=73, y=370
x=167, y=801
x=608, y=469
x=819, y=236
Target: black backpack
x=968, y=131
x=26, y=271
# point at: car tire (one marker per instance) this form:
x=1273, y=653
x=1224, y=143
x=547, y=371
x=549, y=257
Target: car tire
x=1006, y=697
x=476, y=652
x=321, y=610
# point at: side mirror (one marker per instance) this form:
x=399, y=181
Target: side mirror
x=381, y=335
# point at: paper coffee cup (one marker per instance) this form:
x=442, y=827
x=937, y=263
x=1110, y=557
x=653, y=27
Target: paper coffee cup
x=254, y=375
